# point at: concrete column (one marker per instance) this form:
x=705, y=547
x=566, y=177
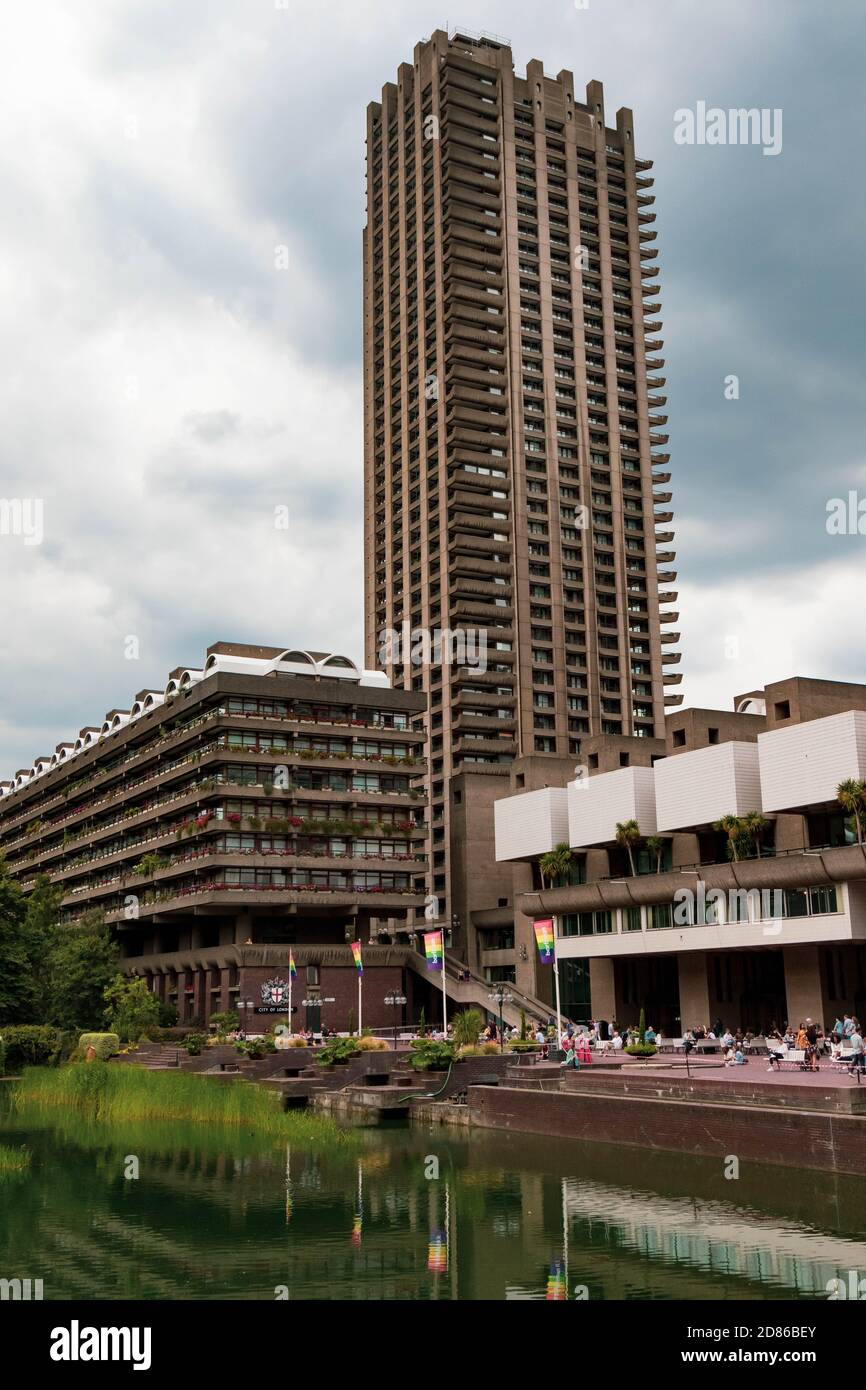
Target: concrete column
x=597, y=865
x=201, y=980
x=182, y=1006
x=694, y=990
x=792, y=832
x=602, y=988
x=243, y=928
x=225, y=997
x=685, y=850
x=803, y=984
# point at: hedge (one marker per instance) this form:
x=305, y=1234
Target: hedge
x=33, y=1045
x=105, y=1045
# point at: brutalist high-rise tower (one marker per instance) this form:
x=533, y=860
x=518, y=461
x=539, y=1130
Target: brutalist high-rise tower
x=515, y=466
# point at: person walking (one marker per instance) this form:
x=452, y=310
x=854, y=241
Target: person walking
x=858, y=1060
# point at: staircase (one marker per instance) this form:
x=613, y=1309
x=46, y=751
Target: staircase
x=474, y=991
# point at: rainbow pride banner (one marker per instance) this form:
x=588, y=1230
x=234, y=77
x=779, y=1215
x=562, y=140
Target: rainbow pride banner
x=433, y=950
x=356, y=952
x=437, y=1253
x=556, y=1289
x=293, y=969
x=544, y=939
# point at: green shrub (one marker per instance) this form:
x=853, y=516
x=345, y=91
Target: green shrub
x=254, y=1048
x=467, y=1026
x=194, y=1042
x=640, y=1049
x=32, y=1045
x=222, y=1024
x=429, y=1055
x=340, y=1050
x=104, y=1045
x=2, y=1058
x=521, y=1045
x=485, y=1049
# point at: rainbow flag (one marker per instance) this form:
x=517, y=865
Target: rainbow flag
x=356, y=952
x=293, y=969
x=437, y=1253
x=544, y=939
x=433, y=950
x=556, y=1290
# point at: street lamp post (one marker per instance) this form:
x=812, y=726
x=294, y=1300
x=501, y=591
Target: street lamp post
x=502, y=995
x=397, y=1001
x=316, y=1002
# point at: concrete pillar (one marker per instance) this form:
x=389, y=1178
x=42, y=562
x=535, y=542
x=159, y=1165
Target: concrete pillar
x=792, y=832
x=694, y=990
x=200, y=998
x=685, y=850
x=225, y=997
x=597, y=865
x=602, y=988
x=243, y=928
x=803, y=984
x=182, y=1005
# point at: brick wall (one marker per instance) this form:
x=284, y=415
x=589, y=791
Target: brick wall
x=790, y=1139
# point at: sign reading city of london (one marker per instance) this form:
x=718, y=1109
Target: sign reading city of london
x=275, y=997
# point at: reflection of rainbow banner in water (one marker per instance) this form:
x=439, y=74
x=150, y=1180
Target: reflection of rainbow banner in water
x=556, y=1290
x=544, y=939
x=356, y=952
x=357, y=1226
x=437, y=1253
x=433, y=949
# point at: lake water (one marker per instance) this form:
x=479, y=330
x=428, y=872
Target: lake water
x=223, y=1215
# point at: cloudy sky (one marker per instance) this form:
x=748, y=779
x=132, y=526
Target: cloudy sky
x=165, y=386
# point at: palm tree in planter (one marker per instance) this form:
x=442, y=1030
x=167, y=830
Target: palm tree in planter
x=733, y=827
x=656, y=846
x=754, y=825
x=851, y=795
x=555, y=866
x=628, y=836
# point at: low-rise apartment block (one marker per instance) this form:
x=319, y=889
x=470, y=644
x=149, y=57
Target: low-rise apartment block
x=738, y=888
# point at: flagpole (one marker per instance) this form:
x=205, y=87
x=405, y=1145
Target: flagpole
x=444, y=995
x=360, y=980
x=556, y=981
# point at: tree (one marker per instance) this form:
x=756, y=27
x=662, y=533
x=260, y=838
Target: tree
x=733, y=827
x=754, y=826
x=467, y=1026
x=38, y=932
x=555, y=866
x=629, y=837
x=17, y=985
x=82, y=963
x=851, y=795
x=131, y=1009
x=656, y=845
